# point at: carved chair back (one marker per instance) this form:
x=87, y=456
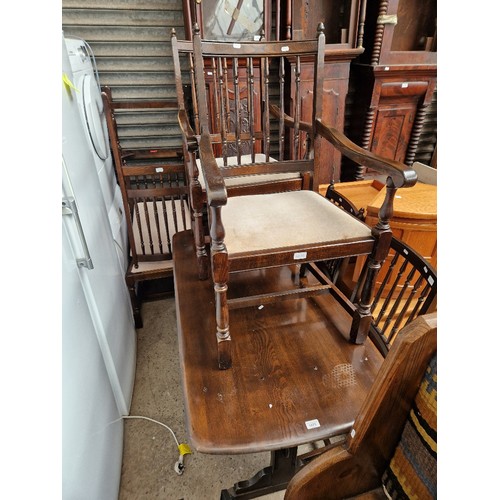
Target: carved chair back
x=248, y=109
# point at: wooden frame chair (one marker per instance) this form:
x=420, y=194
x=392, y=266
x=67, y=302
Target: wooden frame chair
x=404, y=390
x=405, y=288
x=266, y=224
x=155, y=194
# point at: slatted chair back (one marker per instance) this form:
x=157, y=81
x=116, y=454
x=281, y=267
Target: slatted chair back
x=156, y=201
x=406, y=286
x=245, y=86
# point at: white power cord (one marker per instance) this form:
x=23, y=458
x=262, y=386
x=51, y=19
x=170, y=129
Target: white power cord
x=182, y=447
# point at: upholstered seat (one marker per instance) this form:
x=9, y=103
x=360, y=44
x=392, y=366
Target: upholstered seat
x=250, y=229
x=242, y=180
x=171, y=216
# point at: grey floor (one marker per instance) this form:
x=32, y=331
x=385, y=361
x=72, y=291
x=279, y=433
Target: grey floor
x=150, y=451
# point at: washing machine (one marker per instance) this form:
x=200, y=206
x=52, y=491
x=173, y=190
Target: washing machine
x=91, y=107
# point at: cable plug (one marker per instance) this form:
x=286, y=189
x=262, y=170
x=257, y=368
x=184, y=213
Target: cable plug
x=179, y=465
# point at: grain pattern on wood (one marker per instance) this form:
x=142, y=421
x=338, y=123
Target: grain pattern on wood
x=292, y=363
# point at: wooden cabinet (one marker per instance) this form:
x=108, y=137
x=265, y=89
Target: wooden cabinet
x=393, y=81
x=343, y=31
x=335, y=86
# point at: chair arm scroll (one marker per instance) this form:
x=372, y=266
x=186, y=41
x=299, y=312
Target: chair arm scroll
x=399, y=174
x=215, y=185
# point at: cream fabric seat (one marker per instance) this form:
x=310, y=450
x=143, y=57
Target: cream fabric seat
x=247, y=179
x=170, y=214
x=249, y=227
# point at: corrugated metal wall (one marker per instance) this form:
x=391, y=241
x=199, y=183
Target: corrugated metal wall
x=131, y=43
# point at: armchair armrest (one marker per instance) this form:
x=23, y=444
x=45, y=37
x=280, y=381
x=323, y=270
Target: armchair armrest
x=399, y=174
x=215, y=185
x=187, y=130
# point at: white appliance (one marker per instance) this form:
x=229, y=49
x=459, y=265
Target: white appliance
x=98, y=334
x=91, y=107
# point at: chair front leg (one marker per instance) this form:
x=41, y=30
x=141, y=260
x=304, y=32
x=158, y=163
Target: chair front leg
x=382, y=233
x=196, y=194
x=362, y=318
x=220, y=273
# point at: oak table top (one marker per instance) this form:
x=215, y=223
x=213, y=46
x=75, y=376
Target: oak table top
x=417, y=202
x=295, y=378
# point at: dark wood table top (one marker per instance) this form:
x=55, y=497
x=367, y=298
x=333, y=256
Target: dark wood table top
x=295, y=378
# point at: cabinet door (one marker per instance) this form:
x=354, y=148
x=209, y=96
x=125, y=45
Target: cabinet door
x=392, y=130
x=396, y=104
x=334, y=94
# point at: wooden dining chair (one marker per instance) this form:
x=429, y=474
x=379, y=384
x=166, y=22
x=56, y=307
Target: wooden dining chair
x=154, y=188
x=391, y=450
x=406, y=287
x=240, y=127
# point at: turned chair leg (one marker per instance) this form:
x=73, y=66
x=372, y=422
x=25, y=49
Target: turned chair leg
x=220, y=274
x=199, y=240
x=383, y=235
x=362, y=318
x=196, y=195
x=222, y=319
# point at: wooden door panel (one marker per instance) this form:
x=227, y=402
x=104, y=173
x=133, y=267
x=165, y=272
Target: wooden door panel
x=335, y=91
x=392, y=129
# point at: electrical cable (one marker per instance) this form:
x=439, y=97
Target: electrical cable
x=156, y=422
x=182, y=447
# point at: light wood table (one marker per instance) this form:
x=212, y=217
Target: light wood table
x=415, y=212
x=414, y=220
x=295, y=377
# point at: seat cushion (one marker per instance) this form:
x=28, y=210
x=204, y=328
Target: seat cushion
x=248, y=179
x=412, y=472
x=289, y=219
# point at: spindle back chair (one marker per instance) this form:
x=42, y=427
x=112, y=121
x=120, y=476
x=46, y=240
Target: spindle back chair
x=243, y=126
x=155, y=195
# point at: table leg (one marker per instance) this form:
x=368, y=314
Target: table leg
x=275, y=477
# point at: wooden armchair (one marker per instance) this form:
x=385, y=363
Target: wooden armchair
x=155, y=195
x=393, y=442
x=243, y=127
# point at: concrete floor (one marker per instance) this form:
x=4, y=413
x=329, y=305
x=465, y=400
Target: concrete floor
x=150, y=450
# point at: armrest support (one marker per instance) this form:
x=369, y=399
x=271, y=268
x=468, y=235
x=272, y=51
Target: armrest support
x=289, y=122
x=215, y=185
x=186, y=130
x=399, y=174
